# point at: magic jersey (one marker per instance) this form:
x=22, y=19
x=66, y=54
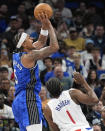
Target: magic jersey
x=24, y=76
x=67, y=114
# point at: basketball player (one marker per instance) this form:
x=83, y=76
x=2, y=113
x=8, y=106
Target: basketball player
x=63, y=111
x=26, y=106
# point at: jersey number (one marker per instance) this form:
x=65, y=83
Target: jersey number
x=16, y=80
x=68, y=113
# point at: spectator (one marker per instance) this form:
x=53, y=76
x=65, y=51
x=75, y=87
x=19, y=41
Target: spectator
x=94, y=117
x=3, y=23
x=70, y=51
x=66, y=82
x=20, y=22
x=66, y=13
x=61, y=52
x=78, y=21
x=92, y=79
x=97, y=127
x=62, y=30
x=102, y=97
x=4, y=9
x=61, y=62
x=99, y=89
x=103, y=119
x=88, y=30
x=5, y=73
x=99, y=107
x=5, y=111
x=82, y=8
x=5, y=86
x=96, y=62
x=51, y=74
x=43, y=95
x=34, y=28
x=99, y=38
x=4, y=57
x=48, y=63
x=94, y=17
x=56, y=18
x=86, y=54
x=69, y=59
x=77, y=66
x=9, y=35
x=10, y=96
x=75, y=40
x=21, y=12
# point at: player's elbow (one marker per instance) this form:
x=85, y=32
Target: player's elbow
x=55, y=47
x=95, y=101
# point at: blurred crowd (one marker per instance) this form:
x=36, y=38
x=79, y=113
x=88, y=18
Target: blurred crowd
x=79, y=27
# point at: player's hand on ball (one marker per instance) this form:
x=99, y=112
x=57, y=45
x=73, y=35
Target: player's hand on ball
x=78, y=78
x=44, y=20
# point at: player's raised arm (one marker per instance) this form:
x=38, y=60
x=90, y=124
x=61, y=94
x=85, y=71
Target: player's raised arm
x=90, y=97
x=43, y=33
x=46, y=51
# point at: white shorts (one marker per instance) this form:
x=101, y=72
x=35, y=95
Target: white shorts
x=35, y=127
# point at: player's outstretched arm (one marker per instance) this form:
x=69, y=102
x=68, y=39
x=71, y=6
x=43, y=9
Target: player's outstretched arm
x=46, y=51
x=90, y=97
x=43, y=35
x=48, y=116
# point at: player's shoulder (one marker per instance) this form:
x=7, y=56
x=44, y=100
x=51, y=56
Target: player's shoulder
x=47, y=110
x=74, y=91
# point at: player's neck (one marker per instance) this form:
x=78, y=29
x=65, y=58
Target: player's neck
x=26, y=50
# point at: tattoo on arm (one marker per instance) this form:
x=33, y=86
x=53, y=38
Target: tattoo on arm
x=40, y=54
x=46, y=51
x=41, y=42
x=42, y=39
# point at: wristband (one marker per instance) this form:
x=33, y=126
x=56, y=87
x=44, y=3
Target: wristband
x=44, y=32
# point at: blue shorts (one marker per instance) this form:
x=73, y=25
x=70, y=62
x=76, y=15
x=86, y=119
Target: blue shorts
x=27, y=111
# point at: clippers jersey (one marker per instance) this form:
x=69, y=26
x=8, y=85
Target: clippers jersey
x=26, y=106
x=67, y=114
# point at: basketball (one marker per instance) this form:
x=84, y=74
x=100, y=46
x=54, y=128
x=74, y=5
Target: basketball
x=45, y=8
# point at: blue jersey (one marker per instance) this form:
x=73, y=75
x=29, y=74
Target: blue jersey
x=26, y=106
x=24, y=76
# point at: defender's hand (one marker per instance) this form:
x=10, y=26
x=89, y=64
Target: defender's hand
x=45, y=21
x=78, y=78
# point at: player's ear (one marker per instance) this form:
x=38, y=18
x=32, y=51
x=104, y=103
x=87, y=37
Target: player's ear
x=24, y=44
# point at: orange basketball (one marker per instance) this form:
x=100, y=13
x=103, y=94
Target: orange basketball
x=43, y=7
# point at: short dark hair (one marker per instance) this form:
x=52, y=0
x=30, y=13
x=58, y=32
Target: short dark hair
x=47, y=58
x=2, y=69
x=57, y=59
x=54, y=87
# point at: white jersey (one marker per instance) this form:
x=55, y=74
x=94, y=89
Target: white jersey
x=67, y=114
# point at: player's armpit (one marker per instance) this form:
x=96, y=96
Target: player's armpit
x=83, y=98
x=48, y=116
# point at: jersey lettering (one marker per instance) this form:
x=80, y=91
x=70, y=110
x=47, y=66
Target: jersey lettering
x=62, y=104
x=16, y=80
